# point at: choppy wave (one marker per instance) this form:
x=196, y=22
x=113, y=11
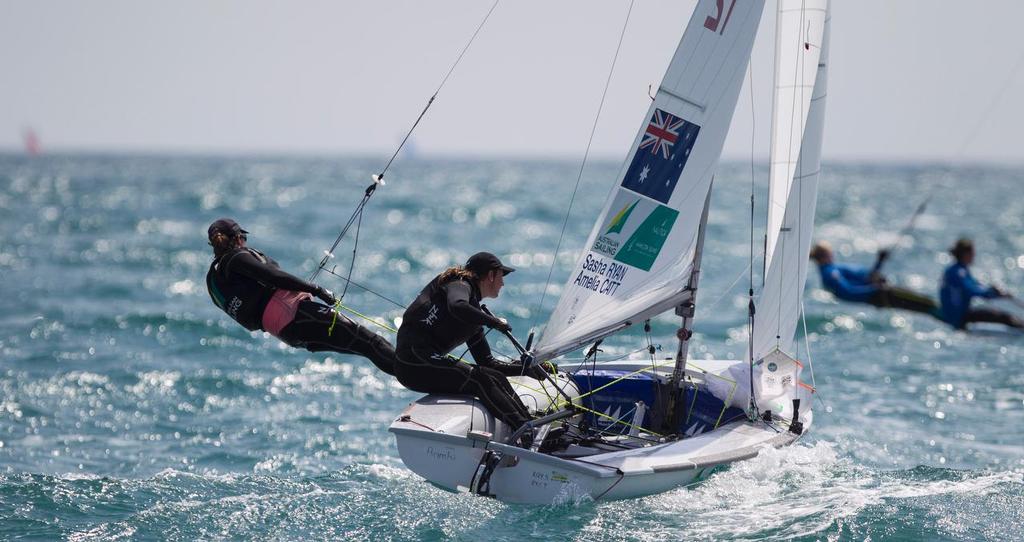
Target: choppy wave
x=130, y=408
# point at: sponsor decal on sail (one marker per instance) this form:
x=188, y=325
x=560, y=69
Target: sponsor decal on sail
x=634, y=235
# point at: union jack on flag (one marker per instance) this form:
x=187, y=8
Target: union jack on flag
x=670, y=139
x=662, y=133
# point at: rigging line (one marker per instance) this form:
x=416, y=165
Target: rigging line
x=911, y=224
x=807, y=343
x=328, y=254
x=366, y=289
x=798, y=75
x=651, y=350
x=753, y=144
x=352, y=263
x=797, y=185
x=363, y=316
x=622, y=475
x=581, y=365
x=750, y=265
x=579, y=177
x=379, y=177
x=983, y=118
x=706, y=310
x=617, y=380
x=620, y=421
x=810, y=362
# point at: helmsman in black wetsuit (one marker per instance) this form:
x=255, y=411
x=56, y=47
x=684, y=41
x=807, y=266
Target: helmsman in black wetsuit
x=446, y=314
x=251, y=288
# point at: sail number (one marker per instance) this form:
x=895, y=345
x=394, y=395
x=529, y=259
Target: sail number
x=716, y=23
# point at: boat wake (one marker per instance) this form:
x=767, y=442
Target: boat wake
x=810, y=490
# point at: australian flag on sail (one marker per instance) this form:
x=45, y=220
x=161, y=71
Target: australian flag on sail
x=662, y=154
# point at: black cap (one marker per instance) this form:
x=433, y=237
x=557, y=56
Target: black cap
x=482, y=262
x=226, y=226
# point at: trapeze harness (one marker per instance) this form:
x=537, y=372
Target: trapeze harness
x=443, y=316
x=253, y=290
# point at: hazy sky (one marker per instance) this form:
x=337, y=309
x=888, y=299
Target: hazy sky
x=910, y=79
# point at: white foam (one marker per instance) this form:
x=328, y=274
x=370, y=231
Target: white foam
x=795, y=491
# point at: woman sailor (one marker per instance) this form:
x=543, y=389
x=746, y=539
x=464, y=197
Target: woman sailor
x=251, y=288
x=447, y=313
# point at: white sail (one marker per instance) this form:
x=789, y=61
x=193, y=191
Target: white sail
x=798, y=39
x=639, y=256
x=801, y=81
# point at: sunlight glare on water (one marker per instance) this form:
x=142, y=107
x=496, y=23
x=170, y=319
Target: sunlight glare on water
x=131, y=407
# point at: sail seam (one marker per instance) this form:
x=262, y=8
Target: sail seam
x=685, y=100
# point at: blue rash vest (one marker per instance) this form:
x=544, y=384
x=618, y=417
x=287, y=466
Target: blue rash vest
x=957, y=290
x=848, y=282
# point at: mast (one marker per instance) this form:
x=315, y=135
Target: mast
x=677, y=403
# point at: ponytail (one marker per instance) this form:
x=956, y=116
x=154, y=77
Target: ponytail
x=222, y=244
x=457, y=272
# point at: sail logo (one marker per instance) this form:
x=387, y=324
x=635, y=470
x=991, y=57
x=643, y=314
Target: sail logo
x=635, y=234
x=664, y=148
x=619, y=220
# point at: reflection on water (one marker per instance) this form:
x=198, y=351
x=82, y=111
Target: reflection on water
x=130, y=406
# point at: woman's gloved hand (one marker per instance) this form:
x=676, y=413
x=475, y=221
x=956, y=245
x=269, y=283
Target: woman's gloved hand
x=325, y=295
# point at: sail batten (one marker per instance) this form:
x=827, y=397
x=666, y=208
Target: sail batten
x=639, y=255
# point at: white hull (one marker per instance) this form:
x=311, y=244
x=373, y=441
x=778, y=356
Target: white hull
x=434, y=440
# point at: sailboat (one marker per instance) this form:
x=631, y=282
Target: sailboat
x=636, y=427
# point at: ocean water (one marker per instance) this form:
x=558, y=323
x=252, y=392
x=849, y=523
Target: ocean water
x=131, y=408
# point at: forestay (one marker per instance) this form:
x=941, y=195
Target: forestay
x=639, y=256
x=798, y=121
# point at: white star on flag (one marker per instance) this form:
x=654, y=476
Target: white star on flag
x=644, y=172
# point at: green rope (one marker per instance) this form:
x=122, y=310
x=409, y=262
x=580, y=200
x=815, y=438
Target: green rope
x=620, y=379
x=334, y=319
x=594, y=412
x=617, y=420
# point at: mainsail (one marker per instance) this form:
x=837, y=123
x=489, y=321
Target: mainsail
x=798, y=121
x=639, y=256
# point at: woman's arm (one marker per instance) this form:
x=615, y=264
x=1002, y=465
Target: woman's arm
x=458, y=294
x=246, y=264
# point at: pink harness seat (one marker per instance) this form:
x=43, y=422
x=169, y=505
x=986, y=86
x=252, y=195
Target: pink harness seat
x=281, y=310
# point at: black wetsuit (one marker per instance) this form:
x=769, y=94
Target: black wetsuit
x=242, y=281
x=442, y=317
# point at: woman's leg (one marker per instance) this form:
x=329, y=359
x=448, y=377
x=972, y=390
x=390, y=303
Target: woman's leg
x=428, y=373
x=985, y=314
x=899, y=298
x=497, y=386
x=906, y=299
x=496, y=380
x=310, y=327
